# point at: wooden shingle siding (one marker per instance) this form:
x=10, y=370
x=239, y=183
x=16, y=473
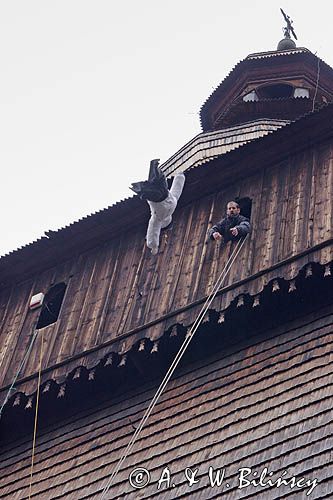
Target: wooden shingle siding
x=119, y=286
x=263, y=402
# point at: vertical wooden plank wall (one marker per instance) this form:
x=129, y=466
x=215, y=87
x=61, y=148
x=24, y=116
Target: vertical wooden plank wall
x=120, y=286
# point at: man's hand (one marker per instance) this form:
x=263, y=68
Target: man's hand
x=217, y=236
x=234, y=231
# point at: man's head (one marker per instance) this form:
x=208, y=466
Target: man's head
x=232, y=209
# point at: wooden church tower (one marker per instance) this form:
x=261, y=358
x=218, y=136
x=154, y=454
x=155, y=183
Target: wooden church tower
x=91, y=321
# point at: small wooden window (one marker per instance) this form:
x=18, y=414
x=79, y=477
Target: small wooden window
x=300, y=92
x=251, y=96
x=245, y=205
x=51, y=306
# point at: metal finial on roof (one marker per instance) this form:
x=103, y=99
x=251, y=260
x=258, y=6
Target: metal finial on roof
x=288, y=29
x=287, y=43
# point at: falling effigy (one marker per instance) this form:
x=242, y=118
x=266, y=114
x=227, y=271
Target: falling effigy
x=161, y=200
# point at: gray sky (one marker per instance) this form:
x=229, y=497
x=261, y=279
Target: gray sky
x=92, y=90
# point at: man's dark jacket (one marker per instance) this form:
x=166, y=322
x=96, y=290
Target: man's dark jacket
x=223, y=227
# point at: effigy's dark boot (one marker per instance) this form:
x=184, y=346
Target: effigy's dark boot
x=155, y=188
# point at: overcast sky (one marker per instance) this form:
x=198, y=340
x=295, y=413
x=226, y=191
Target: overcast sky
x=92, y=90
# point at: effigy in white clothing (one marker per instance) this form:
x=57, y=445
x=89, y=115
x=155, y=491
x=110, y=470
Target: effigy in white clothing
x=161, y=200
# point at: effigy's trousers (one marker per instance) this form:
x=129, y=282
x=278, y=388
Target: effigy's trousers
x=161, y=213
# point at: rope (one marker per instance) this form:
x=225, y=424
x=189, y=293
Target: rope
x=36, y=414
x=175, y=362
x=316, y=90
x=19, y=370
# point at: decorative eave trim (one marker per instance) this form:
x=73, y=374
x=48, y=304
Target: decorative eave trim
x=118, y=355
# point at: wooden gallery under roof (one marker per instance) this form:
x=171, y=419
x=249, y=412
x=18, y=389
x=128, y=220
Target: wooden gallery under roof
x=248, y=411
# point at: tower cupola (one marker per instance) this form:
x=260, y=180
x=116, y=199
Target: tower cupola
x=282, y=84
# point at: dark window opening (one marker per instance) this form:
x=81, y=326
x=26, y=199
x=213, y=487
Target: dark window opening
x=245, y=205
x=277, y=91
x=51, y=306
